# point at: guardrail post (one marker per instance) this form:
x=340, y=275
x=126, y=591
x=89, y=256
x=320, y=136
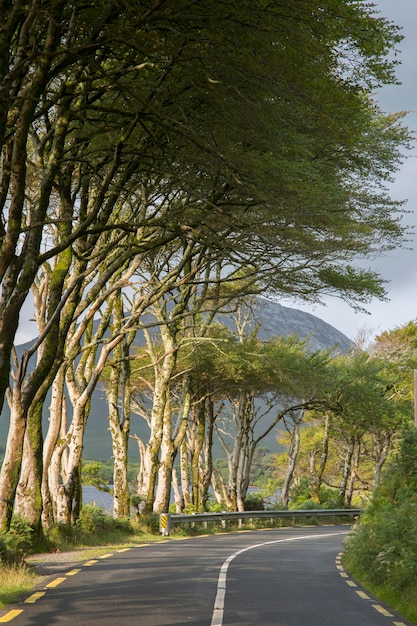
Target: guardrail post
x=164, y=524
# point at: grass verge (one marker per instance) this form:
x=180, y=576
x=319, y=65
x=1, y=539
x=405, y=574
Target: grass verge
x=405, y=604
x=15, y=580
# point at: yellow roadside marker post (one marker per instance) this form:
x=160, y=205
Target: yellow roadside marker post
x=164, y=524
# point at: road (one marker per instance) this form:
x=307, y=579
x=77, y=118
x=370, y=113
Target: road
x=283, y=577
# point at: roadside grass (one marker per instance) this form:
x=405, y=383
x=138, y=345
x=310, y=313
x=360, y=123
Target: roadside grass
x=405, y=603
x=15, y=580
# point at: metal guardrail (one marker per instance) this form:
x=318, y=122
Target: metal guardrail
x=167, y=520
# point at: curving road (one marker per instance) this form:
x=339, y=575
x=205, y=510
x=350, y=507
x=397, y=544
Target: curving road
x=283, y=577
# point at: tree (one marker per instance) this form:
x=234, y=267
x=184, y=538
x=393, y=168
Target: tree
x=348, y=438
x=279, y=169
x=82, y=68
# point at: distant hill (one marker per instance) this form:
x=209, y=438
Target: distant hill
x=276, y=320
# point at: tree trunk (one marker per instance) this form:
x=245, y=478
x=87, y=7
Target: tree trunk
x=200, y=431
x=28, y=503
x=353, y=473
x=316, y=475
x=207, y=473
x=119, y=429
x=178, y=497
x=51, y=457
x=161, y=404
x=293, y=451
x=121, y=494
x=246, y=454
x=382, y=446
x=171, y=443
x=220, y=490
x=11, y=466
x=347, y=464
x=184, y=473
x=239, y=445
x=166, y=464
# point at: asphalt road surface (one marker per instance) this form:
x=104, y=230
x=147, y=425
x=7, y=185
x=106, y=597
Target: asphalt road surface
x=283, y=577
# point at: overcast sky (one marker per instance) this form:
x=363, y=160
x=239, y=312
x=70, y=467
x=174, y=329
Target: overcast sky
x=398, y=266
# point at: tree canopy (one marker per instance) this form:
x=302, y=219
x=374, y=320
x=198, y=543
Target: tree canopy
x=158, y=147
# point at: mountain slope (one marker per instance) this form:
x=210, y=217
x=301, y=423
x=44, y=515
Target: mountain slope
x=281, y=320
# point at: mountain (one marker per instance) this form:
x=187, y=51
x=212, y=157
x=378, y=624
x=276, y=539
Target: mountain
x=281, y=320
x=275, y=320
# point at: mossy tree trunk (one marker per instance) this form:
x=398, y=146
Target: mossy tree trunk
x=118, y=401
x=28, y=501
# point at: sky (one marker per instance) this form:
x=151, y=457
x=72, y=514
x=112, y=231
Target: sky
x=398, y=266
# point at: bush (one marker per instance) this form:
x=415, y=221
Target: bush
x=61, y=535
x=92, y=520
x=305, y=505
x=383, y=547
x=17, y=542
x=93, y=526
x=149, y=523
x=254, y=502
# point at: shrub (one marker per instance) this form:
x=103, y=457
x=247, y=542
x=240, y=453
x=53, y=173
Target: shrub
x=61, y=535
x=254, y=502
x=17, y=542
x=305, y=505
x=92, y=519
x=149, y=523
x=383, y=547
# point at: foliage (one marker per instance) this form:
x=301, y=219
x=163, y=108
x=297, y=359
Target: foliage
x=93, y=520
x=17, y=542
x=92, y=473
x=254, y=502
x=227, y=133
x=93, y=527
x=213, y=506
x=149, y=523
x=397, y=348
x=383, y=548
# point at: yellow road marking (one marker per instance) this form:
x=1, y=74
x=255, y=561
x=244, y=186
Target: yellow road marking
x=124, y=550
x=73, y=572
x=351, y=583
x=10, y=615
x=55, y=583
x=398, y=623
x=92, y=562
x=340, y=567
x=381, y=610
x=363, y=595
x=35, y=596
x=344, y=575
x=105, y=556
